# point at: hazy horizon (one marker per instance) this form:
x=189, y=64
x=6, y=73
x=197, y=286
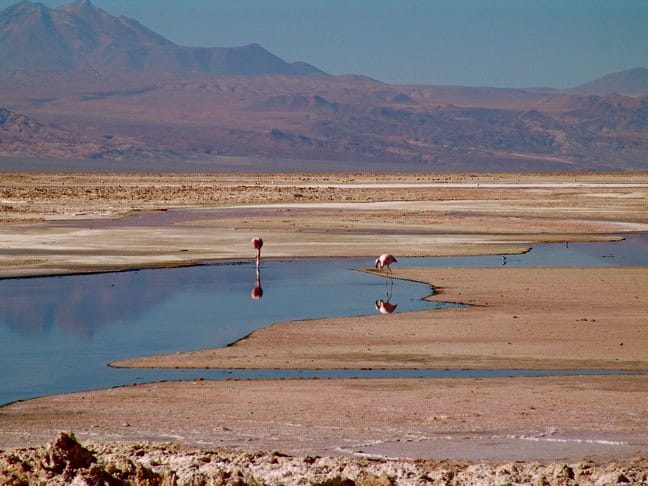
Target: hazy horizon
x=500, y=43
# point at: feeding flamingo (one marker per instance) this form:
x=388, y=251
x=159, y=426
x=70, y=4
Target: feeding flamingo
x=257, y=243
x=385, y=260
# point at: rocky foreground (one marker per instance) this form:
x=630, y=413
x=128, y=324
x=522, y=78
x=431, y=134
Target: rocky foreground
x=65, y=461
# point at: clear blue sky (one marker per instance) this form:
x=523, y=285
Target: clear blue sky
x=505, y=43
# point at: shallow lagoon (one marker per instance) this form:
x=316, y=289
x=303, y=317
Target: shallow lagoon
x=57, y=334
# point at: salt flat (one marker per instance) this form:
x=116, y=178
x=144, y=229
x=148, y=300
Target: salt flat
x=577, y=318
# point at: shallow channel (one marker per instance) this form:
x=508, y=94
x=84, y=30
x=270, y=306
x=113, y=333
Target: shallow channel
x=57, y=334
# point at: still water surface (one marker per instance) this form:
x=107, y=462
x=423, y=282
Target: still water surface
x=57, y=334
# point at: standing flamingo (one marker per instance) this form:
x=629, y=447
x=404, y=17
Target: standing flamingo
x=385, y=260
x=257, y=243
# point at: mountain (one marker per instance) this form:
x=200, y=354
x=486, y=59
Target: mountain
x=352, y=121
x=79, y=83
x=632, y=82
x=23, y=136
x=81, y=37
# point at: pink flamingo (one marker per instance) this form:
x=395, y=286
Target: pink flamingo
x=257, y=243
x=385, y=260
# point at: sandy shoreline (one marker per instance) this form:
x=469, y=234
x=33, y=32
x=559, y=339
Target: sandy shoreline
x=519, y=318
x=506, y=418
x=533, y=318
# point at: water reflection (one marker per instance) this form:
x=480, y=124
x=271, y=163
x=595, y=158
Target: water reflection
x=257, y=291
x=58, y=333
x=384, y=306
x=85, y=305
x=79, y=305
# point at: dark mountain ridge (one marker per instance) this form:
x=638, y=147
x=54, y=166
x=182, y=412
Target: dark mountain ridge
x=80, y=36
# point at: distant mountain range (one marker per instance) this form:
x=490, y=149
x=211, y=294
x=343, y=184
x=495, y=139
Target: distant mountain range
x=79, y=83
x=23, y=136
x=80, y=36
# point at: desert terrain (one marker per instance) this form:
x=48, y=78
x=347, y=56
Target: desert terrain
x=68, y=223
x=556, y=429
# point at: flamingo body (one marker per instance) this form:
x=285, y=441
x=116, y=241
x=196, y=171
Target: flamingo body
x=384, y=260
x=257, y=244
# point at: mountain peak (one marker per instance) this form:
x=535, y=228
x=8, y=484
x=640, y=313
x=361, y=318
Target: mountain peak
x=81, y=36
x=21, y=8
x=77, y=5
x=82, y=8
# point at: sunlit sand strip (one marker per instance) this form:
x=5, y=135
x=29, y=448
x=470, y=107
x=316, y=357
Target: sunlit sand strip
x=474, y=206
x=464, y=185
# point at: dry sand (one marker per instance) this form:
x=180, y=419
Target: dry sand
x=540, y=318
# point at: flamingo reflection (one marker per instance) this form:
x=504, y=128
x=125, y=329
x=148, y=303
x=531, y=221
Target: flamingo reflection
x=384, y=306
x=257, y=291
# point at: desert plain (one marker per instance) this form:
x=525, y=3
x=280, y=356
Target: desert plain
x=555, y=429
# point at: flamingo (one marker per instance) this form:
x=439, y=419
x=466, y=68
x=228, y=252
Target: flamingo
x=385, y=260
x=257, y=244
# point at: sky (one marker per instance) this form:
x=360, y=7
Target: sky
x=502, y=43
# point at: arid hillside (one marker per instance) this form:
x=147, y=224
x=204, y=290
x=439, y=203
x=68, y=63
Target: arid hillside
x=95, y=86
x=327, y=118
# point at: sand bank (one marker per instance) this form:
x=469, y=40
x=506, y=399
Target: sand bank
x=498, y=419
x=517, y=318
x=540, y=317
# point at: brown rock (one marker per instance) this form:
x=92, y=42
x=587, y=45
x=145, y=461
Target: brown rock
x=66, y=453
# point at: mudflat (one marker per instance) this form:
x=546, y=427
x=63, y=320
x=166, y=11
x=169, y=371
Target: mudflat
x=516, y=318
x=544, y=318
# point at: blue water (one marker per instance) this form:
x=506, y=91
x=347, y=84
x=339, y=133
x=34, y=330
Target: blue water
x=57, y=334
